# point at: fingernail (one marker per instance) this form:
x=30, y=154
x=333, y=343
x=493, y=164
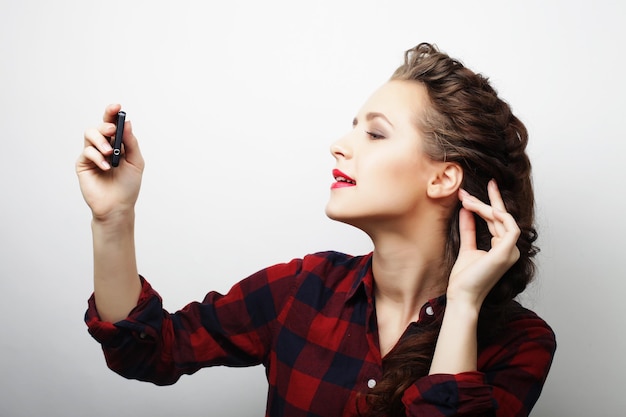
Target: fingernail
x=105, y=165
x=106, y=146
x=463, y=193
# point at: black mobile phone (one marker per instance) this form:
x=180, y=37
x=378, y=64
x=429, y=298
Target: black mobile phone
x=117, y=142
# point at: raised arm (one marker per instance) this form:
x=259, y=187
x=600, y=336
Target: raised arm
x=111, y=194
x=473, y=275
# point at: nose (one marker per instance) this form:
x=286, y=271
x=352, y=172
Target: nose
x=341, y=149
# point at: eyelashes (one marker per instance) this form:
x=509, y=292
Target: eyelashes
x=374, y=136
x=371, y=134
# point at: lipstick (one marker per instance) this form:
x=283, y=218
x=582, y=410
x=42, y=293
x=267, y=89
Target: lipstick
x=342, y=180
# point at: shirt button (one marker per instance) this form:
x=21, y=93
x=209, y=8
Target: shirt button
x=430, y=311
x=371, y=383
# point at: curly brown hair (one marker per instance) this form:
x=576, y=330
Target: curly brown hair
x=467, y=123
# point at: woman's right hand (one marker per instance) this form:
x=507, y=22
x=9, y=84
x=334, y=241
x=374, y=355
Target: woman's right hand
x=109, y=191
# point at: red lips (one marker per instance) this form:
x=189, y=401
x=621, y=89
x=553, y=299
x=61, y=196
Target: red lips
x=342, y=180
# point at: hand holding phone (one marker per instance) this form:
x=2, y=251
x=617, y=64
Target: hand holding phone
x=96, y=175
x=117, y=142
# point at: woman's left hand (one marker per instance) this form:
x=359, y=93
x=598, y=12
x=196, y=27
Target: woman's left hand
x=475, y=271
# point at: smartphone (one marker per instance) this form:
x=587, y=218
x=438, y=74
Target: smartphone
x=117, y=142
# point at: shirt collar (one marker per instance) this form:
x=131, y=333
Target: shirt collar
x=364, y=281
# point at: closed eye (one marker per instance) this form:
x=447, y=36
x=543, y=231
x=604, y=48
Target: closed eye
x=375, y=135
x=371, y=134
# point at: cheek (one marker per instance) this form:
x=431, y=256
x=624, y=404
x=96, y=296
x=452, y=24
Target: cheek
x=397, y=165
x=405, y=173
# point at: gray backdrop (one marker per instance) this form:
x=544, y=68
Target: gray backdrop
x=235, y=104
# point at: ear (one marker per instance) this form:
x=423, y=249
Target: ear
x=445, y=181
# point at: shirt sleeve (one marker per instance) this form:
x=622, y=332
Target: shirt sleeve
x=511, y=374
x=235, y=329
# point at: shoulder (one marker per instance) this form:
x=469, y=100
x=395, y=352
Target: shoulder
x=331, y=260
x=332, y=267
x=326, y=275
x=322, y=269
x=521, y=334
x=525, y=321
x=513, y=321
x=516, y=350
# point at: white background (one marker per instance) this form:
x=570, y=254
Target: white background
x=235, y=104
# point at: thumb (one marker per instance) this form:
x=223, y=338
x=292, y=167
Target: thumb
x=132, y=153
x=467, y=230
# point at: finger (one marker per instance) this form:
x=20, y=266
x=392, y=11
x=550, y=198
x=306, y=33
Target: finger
x=505, y=247
x=495, y=198
x=92, y=156
x=497, y=203
x=107, y=129
x=485, y=211
x=467, y=230
x=508, y=223
x=93, y=137
x=132, y=153
x=110, y=113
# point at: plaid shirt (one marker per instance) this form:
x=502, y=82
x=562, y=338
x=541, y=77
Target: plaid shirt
x=312, y=323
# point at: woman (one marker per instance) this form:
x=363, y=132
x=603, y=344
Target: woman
x=435, y=172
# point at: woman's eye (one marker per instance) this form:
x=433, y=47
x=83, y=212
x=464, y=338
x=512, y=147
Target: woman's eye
x=375, y=135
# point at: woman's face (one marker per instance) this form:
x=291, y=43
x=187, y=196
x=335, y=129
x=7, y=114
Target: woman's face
x=381, y=173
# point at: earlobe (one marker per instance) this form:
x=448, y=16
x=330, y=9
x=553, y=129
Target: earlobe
x=446, y=181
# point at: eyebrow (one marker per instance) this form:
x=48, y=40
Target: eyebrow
x=374, y=115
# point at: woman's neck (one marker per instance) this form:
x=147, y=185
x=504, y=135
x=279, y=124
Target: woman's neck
x=407, y=273
x=409, y=268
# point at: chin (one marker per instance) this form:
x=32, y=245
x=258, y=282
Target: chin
x=340, y=217
x=332, y=214
x=335, y=214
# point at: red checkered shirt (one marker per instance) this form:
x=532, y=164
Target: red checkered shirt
x=312, y=323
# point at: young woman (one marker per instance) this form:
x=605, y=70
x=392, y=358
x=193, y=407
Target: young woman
x=435, y=172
